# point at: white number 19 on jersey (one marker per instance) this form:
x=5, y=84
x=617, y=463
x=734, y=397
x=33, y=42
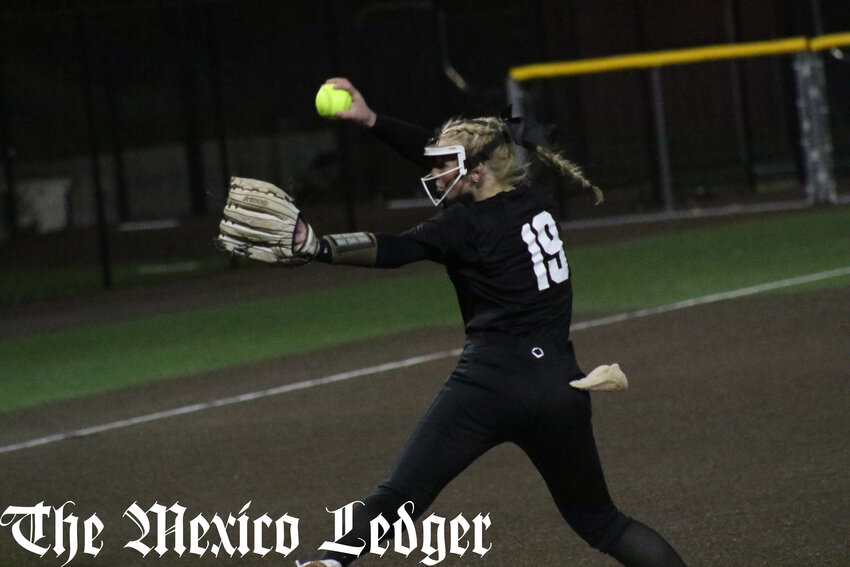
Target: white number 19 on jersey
x=541, y=235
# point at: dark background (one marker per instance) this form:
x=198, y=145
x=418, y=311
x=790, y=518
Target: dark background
x=145, y=108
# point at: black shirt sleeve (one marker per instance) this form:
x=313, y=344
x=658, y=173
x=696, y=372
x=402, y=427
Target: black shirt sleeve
x=440, y=238
x=391, y=251
x=444, y=234
x=399, y=250
x=406, y=138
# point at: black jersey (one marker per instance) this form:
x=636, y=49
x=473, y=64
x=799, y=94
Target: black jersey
x=503, y=254
x=506, y=261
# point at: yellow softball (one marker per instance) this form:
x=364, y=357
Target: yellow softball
x=329, y=100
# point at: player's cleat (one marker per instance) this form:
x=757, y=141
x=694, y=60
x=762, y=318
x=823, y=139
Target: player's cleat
x=319, y=563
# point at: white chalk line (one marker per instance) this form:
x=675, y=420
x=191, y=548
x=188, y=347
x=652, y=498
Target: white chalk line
x=413, y=361
x=714, y=298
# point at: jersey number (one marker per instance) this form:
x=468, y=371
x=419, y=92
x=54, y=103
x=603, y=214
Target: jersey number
x=541, y=236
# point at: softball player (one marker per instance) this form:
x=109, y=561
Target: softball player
x=495, y=232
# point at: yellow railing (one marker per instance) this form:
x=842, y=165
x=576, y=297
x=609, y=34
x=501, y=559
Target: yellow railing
x=829, y=41
x=678, y=56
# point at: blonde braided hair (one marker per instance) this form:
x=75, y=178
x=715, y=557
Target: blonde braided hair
x=568, y=169
x=474, y=134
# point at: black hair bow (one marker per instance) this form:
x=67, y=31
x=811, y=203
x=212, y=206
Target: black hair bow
x=525, y=132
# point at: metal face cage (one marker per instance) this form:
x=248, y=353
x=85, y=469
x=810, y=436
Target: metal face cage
x=451, y=152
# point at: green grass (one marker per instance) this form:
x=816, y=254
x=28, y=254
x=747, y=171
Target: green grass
x=100, y=357
x=661, y=269
x=57, y=282
x=616, y=276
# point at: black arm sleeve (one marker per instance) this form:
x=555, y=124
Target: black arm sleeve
x=398, y=250
x=406, y=138
x=391, y=251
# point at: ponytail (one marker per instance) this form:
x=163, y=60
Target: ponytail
x=568, y=169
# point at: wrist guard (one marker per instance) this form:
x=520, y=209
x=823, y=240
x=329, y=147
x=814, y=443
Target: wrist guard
x=352, y=249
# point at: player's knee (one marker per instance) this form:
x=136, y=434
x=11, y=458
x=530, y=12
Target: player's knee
x=599, y=528
x=388, y=499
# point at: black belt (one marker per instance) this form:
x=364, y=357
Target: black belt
x=521, y=345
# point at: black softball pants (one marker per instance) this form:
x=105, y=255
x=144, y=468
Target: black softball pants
x=502, y=393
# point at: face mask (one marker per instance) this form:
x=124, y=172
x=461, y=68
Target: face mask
x=447, y=153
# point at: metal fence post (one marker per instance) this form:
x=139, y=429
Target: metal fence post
x=517, y=100
x=660, y=128
x=6, y=159
x=94, y=153
x=815, y=134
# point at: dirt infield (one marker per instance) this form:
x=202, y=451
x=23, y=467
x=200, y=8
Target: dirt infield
x=732, y=441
